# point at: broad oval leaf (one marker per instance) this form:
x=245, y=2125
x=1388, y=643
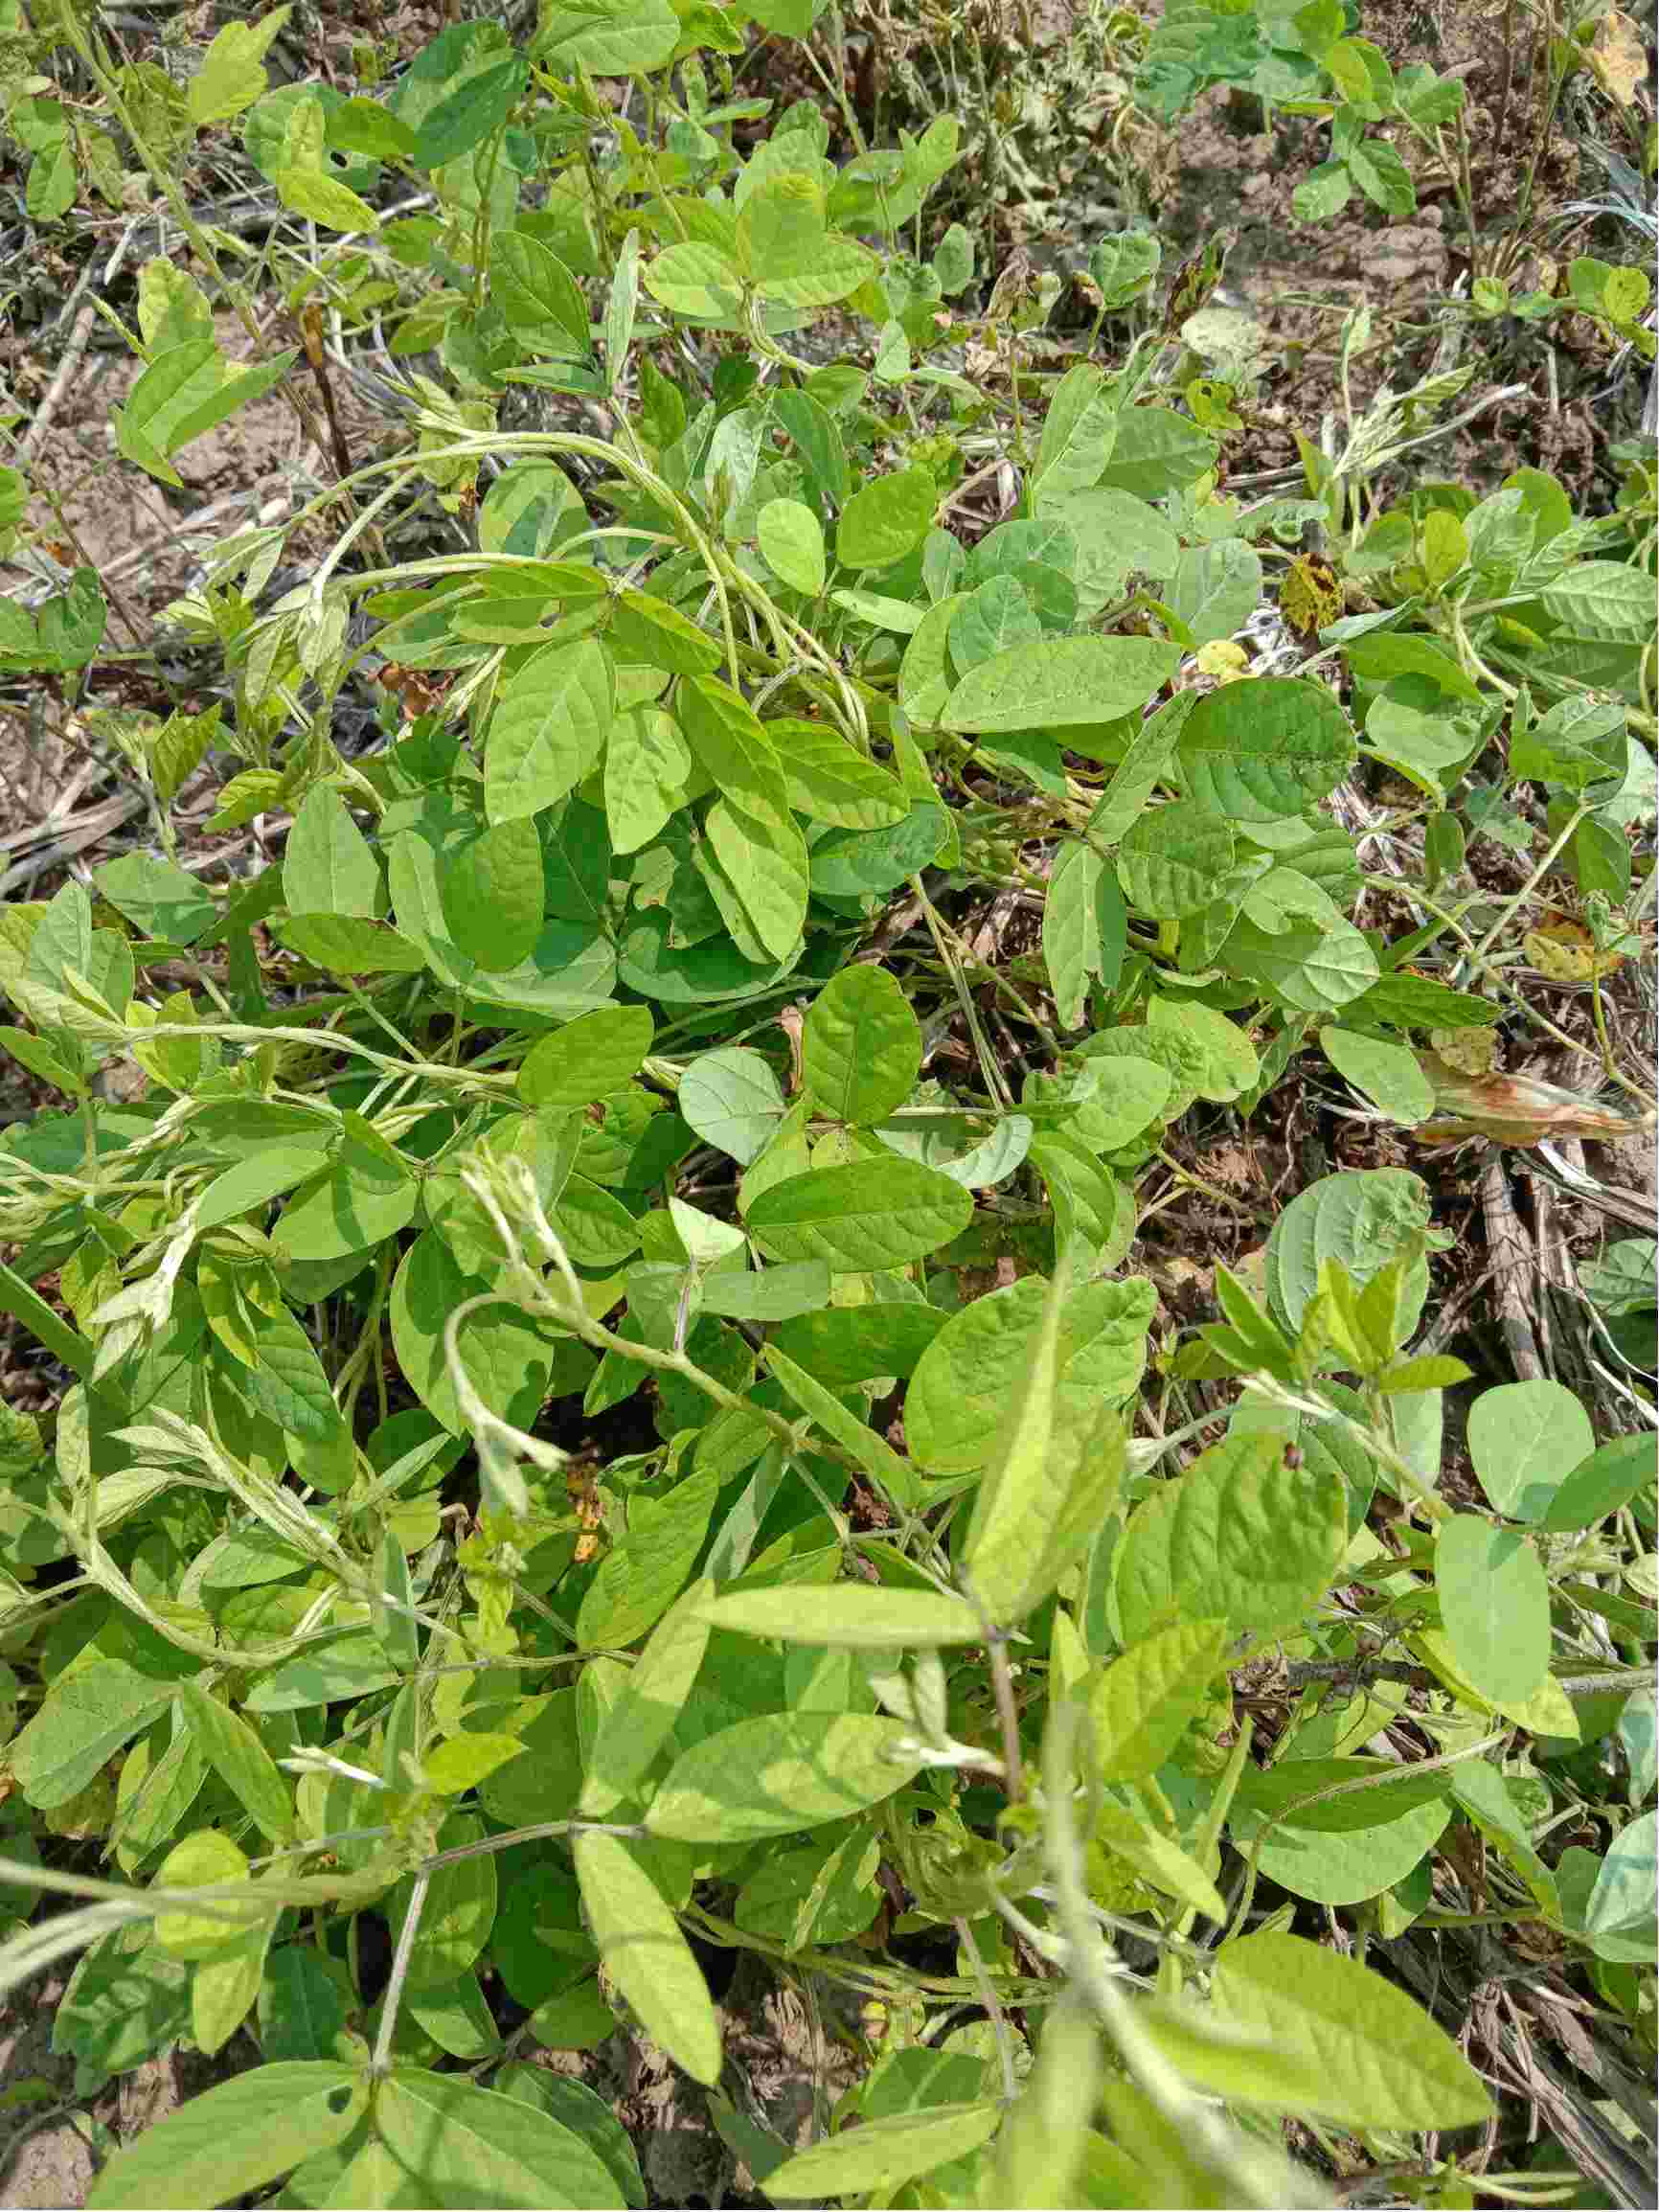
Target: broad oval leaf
x=1495, y=1605
x=547, y=729
x=970, y=1372
x=1240, y=1535
x=233, y=2139
x=886, y=520
x=861, y=1046
x=1524, y=1438
x=462, y=2142
x=779, y=1771
x=1059, y=683
x=588, y=1059
x=1269, y=746
x=871, y=1214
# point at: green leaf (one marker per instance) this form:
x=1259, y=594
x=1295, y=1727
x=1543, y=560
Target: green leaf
x=236, y=1753
x=1494, y=1603
x=547, y=729
x=645, y=1953
x=346, y=944
x=467, y=105
x=233, y=2139
x=793, y=543
x=1363, y=1218
x=1379, y=171
x=1388, y=1074
x=1171, y=859
x=223, y=1988
x=871, y=1214
x=578, y=2107
x=1155, y=1857
x=1264, y=748
x=1240, y=1537
x=970, y=1373
x=733, y=750
x=697, y=281
x=822, y=1892
x=1349, y=1847
x=1523, y=1440
x=640, y=1578
x=779, y=1771
x=855, y=864
x=779, y=1294
x=589, y=1058
x=1619, y=1916
x=606, y=38
x=157, y=896
x=860, y=1046
x=301, y=2005
x=460, y=2143
x=827, y=779
x=732, y=1099
x=1324, y=2035
x=327, y=866
x=764, y=863
x=817, y=276
x=1157, y=451
x=1043, y=1478
x=540, y=299
x=80, y=1726
x=1041, y=2156
x=647, y=766
x=849, y=1344
x=363, y=125
x=646, y=631
x=1060, y=682
x=1141, y=1704
x=848, y=1616
x=1600, y=599
x=1324, y=191
x=636, y=1727
x=1612, y=1475
x=992, y=619
x=886, y=520
x=1216, y=589
x=505, y=1357
x=324, y=200
x=1140, y=769
x=874, y=1453
x=365, y=1195
x=349, y=1666
x=621, y=307
x=459, y=1912
x=1484, y=1797
x=287, y=1382
x=882, y=2153
x=1078, y=433
x=462, y=1761
x=492, y=891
